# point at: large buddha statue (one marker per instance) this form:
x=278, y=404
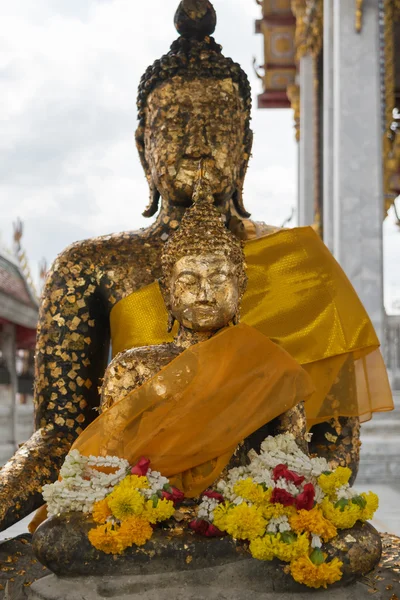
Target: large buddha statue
x=193, y=104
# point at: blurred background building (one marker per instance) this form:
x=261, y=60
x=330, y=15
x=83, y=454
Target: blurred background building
x=18, y=320
x=337, y=64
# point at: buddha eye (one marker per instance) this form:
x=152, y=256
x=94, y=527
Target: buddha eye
x=218, y=278
x=186, y=280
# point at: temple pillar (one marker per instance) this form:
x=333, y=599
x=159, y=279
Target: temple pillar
x=357, y=154
x=307, y=142
x=327, y=187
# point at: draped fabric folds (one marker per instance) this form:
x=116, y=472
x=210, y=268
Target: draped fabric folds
x=300, y=298
x=190, y=417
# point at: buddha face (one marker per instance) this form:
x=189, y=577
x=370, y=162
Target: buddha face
x=192, y=121
x=204, y=292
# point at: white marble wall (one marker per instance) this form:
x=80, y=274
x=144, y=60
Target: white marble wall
x=357, y=201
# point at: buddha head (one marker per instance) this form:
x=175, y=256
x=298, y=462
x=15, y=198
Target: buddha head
x=194, y=104
x=203, y=264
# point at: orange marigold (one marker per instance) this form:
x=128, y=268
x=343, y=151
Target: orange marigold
x=135, y=531
x=101, y=511
x=313, y=521
x=107, y=539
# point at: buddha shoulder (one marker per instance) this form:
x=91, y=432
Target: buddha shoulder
x=113, y=265
x=247, y=229
x=132, y=368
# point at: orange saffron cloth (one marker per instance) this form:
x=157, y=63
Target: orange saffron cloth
x=190, y=417
x=299, y=297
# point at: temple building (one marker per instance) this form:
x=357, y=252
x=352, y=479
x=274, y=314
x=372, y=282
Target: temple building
x=337, y=64
x=18, y=320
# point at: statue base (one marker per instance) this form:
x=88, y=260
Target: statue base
x=235, y=581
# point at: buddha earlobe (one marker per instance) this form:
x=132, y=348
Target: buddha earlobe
x=237, y=199
x=155, y=195
x=171, y=322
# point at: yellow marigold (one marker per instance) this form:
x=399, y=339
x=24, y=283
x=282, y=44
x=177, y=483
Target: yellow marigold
x=274, y=511
x=342, y=519
x=371, y=507
x=220, y=514
x=330, y=483
x=304, y=571
x=163, y=511
x=133, y=481
x=101, y=511
x=125, y=502
x=253, y=492
x=107, y=539
x=263, y=548
x=245, y=522
x=273, y=546
x=313, y=521
x=135, y=530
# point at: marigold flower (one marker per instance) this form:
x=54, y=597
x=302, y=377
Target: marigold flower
x=244, y=522
x=220, y=514
x=274, y=511
x=305, y=571
x=125, y=502
x=273, y=546
x=330, y=483
x=135, y=530
x=253, y=492
x=136, y=482
x=342, y=519
x=163, y=511
x=371, y=507
x=101, y=511
x=106, y=538
x=313, y=521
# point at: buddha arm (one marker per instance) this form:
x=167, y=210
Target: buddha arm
x=71, y=356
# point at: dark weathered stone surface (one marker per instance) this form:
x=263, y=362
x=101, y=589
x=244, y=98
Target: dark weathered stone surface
x=62, y=545
x=18, y=566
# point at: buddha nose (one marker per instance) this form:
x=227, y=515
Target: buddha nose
x=198, y=141
x=205, y=290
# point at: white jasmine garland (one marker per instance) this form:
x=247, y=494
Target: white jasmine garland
x=206, y=509
x=279, y=524
x=82, y=485
x=315, y=541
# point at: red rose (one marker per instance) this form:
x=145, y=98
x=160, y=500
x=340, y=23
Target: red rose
x=215, y=495
x=213, y=531
x=282, y=497
x=281, y=471
x=175, y=495
x=141, y=467
x=205, y=528
x=305, y=500
x=199, y=526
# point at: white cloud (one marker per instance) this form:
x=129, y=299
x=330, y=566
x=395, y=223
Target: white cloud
x=69, y=71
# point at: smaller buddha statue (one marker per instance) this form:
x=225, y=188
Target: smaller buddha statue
x=203, y=282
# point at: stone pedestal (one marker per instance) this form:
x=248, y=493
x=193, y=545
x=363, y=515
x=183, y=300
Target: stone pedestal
x=228, y=582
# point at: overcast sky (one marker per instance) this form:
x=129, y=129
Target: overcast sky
x=69, y=71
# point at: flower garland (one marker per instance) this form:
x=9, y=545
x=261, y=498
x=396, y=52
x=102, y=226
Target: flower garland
x=284, y=503
x=124, y=502
x=287, y=505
